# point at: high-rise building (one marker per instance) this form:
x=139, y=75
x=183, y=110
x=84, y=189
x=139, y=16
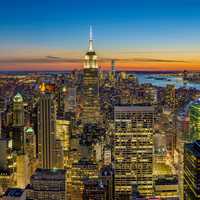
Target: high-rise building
x=18, y=110
x=62, y=143
x=91, y=105
x=18, y=138
x=48, y=184
x=133, y=150
x=192, y=171
x=18, y=124
x=61, y=101
x=7, y=165
x=70, y=99
x=46, y=130
x=95, y=189
x=2, y=109
x=194, y=116
x=113, y=67
x=79, y=172
x=22, y=170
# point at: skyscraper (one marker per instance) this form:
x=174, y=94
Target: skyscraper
x=18, y=110
x=192, y=171
x=133, y=151
x=194, y=122
x=91, y=107
x=18, y=124
x=46, y=129
x=48, y=184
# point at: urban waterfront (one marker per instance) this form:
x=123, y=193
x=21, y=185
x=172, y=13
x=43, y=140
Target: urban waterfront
x=162, y=81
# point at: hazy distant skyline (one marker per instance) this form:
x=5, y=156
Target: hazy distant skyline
x=140, y=34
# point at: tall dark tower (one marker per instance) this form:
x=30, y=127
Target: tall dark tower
x=46, y=129
x=91, y=106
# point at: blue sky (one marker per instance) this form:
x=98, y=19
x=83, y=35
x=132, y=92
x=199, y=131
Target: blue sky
x=119, y=26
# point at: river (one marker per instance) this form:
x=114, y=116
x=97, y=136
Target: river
x=162, y=81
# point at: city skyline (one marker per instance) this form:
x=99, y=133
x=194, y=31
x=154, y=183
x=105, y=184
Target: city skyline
x=141, y=36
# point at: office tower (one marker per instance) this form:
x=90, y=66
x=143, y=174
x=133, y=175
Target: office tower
x=6, y=155
x=170, y=97
x=48, y=184
x=70, y=100
x=18, y=139
x=192, y=171
x=7, y=165
x=22, y=170
x=18, y=136
x=91, y=106
x=133, y=150
x=61, y=101
x=62, y=143
x=14, y=194
x=18, y=110
x=107, y=176
x=194, y=115
x=2, y=109
x=30, y=149
x=79, y=172
x=95, y=189
x=113, y=67
x=112, y=74
x=46, y=129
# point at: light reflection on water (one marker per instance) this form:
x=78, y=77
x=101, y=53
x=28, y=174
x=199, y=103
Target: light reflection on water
x=162, y=81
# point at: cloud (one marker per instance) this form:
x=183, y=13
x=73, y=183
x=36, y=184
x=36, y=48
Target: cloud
x=145, y=60
x=55, y=59
x=45, y=60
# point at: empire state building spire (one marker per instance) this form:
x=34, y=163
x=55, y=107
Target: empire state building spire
x=91, y=40
x=90, y=57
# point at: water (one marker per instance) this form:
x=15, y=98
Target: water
x=162, y=81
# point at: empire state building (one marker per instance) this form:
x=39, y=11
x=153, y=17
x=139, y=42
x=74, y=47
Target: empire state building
x=91, y=106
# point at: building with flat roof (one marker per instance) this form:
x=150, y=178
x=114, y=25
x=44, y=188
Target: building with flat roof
x=133, y=150
x=48, y=184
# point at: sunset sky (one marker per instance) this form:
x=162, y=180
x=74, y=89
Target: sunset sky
x=139, y=34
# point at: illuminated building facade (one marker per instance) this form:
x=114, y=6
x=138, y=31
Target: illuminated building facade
x=192, y=171
x=7, y=165
x=22, y=170
x=62, y=140
x=133, y=151
x=166, y=187
x=194, y=115
x=2, y=110
x=79, y=172
x=61, y=101
x=46, y=130
x=91, y=106
x=18, y=110
x=95, y=189
x=48, y=184
x=70, y=99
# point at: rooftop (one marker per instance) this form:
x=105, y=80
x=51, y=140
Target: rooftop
x=137, y=108
x=14, y=192
x=47, y=174
x=18, y=98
